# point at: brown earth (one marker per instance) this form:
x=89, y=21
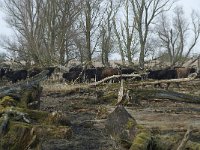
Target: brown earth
x=87, y=112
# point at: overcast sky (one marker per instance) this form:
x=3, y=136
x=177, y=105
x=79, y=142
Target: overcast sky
x=188, y=5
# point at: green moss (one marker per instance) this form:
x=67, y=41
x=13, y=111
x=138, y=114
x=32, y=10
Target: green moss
x=7, y=101
x=52, y=132
x=29, y=95
x=166, y=142
x=38, y=116
x=141, y=141
x=102, y=112
x=130, y=124
x=109, y=98
x=17, y=137
x=21, y=134
x=192, y=145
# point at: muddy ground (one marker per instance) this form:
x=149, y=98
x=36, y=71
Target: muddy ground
x=87, y=112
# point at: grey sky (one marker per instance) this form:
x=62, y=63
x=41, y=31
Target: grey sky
x=188, y=5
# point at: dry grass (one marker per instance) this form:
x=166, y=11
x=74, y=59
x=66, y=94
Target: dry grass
x=61, y=87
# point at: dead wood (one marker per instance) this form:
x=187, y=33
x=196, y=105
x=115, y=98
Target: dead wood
x=142, y=94
x=185, y=139
x=15, y=89
x=4, y=125
x=18, y=115
x=121, y=93
x=115, y=77
x=143, y=83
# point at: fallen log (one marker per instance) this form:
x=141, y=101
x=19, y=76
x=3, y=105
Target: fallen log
x=185, y=139
x=121, y=93
x=115, y=77
x=4, y=125
x=143, y=94
x=15, y=89
x=153, y=82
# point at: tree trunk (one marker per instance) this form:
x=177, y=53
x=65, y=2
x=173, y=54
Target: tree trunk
x=88, y=32
x=163, y=94
x=141, y=59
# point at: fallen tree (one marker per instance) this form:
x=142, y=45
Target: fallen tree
x=143, y=82
x=15, y=89
x=142, y=94
x=153, y=82
x=22, y=126
x=116, y=77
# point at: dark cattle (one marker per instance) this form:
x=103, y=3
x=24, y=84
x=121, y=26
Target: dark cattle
x=34, y=72
x=77, y=69
x=92, y=73
x=72, y=76
x=2, y=73
x=51, y=70
x=127, y=70
x=162, y=75
x=107, y=72
x=89, y=74
x=15, y=76
x=183, y=72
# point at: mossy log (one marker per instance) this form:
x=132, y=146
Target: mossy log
x=163, y=94
x=16, y=89
x=121, y=126
x=26, y=98
x=142, y=141
x=26, y=136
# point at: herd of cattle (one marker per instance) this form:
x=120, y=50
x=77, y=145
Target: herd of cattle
x=80, y=74
x=18, y=75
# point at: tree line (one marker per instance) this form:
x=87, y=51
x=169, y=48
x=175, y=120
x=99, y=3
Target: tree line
x=53, y=32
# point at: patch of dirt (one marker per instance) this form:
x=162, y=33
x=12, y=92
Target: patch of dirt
x=82, y=108
x=88, y=134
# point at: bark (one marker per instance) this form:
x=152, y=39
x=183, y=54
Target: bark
x=185, y=139
x=15, y=89
x=163, y=94
x=114, y=77
x=121, y=93
x=163, y=81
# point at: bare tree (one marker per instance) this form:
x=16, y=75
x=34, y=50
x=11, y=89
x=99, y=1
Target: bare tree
x=90, y=21
x=130, y=39
x=175, y=35
x=43, y=28
x=126, y=35
x=106, y=32
x=145, y=12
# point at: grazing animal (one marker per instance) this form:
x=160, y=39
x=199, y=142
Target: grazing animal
x=89, y=74
x=127, y=70
x=162, y=75
x=51, y=70
x=76, y=68
x=107, y=72
x=183, y=72
x=72, y=76
x=34, y=72
x=92, y=73
x=17, y=75
x=2, y=73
